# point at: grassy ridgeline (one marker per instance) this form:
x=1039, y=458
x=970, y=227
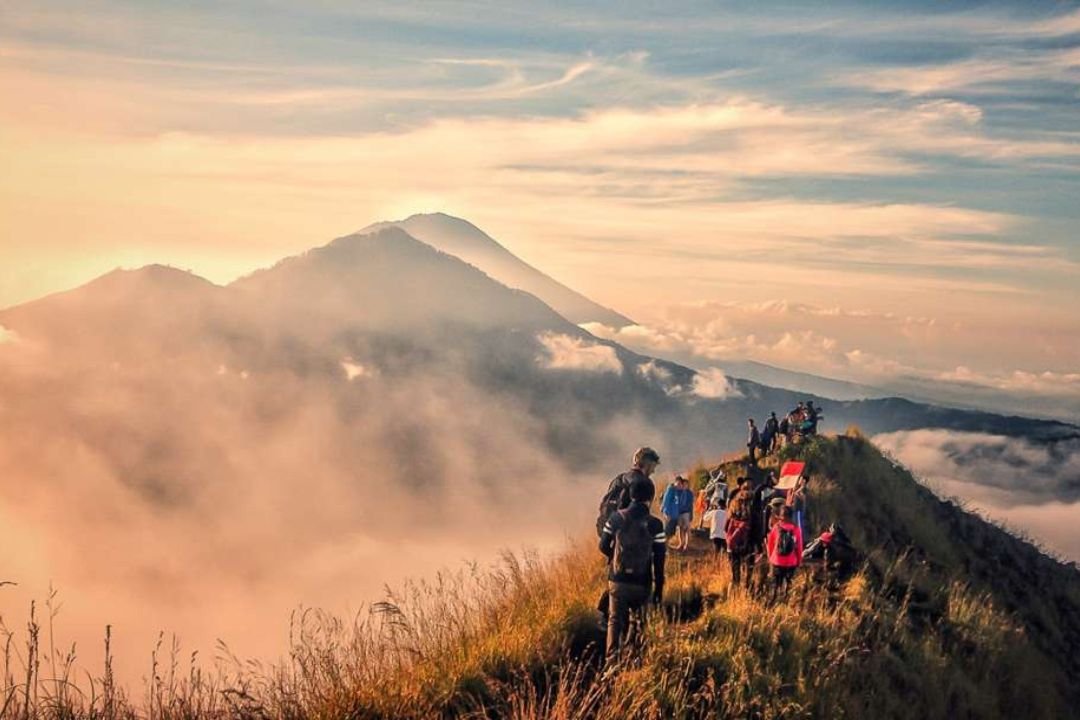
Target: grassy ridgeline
x=949, y=617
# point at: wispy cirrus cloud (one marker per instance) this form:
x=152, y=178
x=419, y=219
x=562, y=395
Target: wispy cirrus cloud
x=981, y=74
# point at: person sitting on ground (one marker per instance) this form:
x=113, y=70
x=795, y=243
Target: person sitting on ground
x=785, y=548
x=633, y=540
x=835, y=551
x=737, y=530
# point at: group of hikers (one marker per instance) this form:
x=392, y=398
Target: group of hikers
x=801, y=422
x=753, y=522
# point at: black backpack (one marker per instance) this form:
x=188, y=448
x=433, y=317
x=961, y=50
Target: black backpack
x=785, y=542
x=616, y=497
x=632, y=558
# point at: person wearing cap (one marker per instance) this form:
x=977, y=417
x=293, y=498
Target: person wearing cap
x=772, y=512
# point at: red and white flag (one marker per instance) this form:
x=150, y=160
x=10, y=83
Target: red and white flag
x=790, y=474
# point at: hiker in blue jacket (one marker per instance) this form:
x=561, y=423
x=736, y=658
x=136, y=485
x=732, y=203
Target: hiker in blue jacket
x=678, y=508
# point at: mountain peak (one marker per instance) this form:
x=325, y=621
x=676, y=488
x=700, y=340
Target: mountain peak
x=461, y=238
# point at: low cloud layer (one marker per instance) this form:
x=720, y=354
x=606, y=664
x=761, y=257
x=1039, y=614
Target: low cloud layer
x=919, y=356
x=1031, y=487
x=563, y=352
x=180, y=493
x=715, y=385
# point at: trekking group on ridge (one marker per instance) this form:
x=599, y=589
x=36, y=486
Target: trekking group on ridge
x=752, y=523
x=801, y=422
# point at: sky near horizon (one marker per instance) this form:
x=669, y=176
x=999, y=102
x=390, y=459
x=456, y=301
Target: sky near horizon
x=868, y=190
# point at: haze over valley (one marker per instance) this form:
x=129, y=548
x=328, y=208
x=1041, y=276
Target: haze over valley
x=314, y=307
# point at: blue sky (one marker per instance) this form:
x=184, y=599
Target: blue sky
x=896, y=160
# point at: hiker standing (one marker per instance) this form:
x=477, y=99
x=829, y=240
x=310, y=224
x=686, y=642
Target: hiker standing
x=796, y=498
x=737, y=530
x=701, y=506
x=768, y=434
x=634, y=542
x=643, y=465
x=677, y=506
x=669, y=506
x=617, y=497
x=784, y=431
x=717, y=488
x=759, y=497
x=813, y=415
x=785, y=547
x=772, y=512
x=717, y=522
x=686, y=513
x=753, y=440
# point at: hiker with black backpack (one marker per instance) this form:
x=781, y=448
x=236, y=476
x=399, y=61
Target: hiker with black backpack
x=784, y=547
x=634, y=542
x=617, y=497
x=737, y=530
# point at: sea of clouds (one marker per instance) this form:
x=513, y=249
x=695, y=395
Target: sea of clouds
x=1032, y=488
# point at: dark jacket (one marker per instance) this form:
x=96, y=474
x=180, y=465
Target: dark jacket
x=754, y=438
x=758, y=528
x=624, y=481
x=637, y=511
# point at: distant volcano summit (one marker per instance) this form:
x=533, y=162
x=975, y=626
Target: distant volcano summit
x=464, y=240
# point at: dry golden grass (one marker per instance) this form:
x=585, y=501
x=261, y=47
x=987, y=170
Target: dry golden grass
x=519, y=640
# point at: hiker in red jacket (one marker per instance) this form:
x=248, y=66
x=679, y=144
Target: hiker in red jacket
x=784, y=547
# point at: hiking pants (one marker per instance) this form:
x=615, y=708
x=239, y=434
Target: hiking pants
x=781, y=578
x=626, y=614
x=738, y=561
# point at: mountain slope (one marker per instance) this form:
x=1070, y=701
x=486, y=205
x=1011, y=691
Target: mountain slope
x=124, y=314
x=945, y=617
x=388, y=280
x=464, y=240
